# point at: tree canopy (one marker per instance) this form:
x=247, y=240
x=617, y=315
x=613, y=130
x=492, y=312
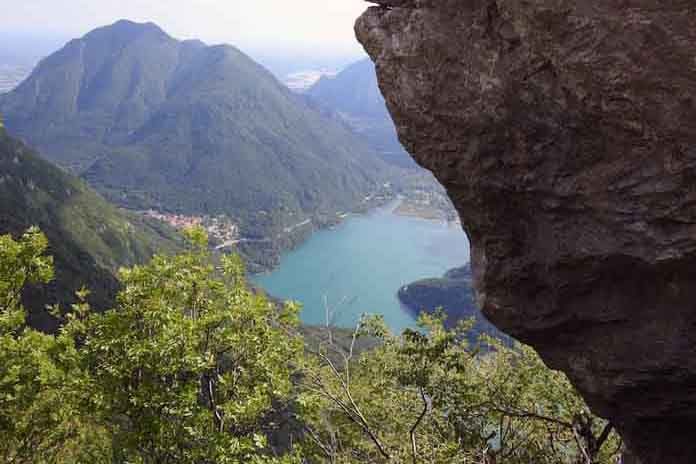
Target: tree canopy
x=191, y=366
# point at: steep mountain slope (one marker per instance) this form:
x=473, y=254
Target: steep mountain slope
x=89, y=238
x=353, y=91
x=354, y=94
x=151, y=121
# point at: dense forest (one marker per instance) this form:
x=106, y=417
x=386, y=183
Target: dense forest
x=191, y=366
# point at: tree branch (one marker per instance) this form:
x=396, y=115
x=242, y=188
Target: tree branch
x=604, y=436
x=412, y=433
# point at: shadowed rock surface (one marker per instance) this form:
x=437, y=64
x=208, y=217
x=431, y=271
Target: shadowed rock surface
x=565, y=134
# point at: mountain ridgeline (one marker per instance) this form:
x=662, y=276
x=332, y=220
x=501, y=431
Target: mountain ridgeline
x=355, y=96
x=153, y=122
x=89, y=238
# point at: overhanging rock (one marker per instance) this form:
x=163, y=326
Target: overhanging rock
x=565, y=134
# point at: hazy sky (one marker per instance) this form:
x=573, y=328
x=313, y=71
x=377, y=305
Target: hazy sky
x=293, y=27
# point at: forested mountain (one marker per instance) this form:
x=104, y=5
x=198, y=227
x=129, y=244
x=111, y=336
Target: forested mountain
x=355, y=96
x=353, y=91
x=454, y=294
x=152, y=122
x=89, y=238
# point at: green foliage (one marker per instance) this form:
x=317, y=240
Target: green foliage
x=191, y=366
x=428, y=397
x=184, y=369
x=189, y=362
x=40, y=379
x=453, y=293
x=21, y=263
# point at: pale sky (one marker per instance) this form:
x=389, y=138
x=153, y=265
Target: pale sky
x=293, y=27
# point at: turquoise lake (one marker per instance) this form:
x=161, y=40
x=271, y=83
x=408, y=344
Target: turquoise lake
x=358, y=266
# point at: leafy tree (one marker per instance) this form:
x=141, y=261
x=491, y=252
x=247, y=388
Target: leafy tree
x=190, y=361
x=428, y=397
x=184, y=369
x=40, y=379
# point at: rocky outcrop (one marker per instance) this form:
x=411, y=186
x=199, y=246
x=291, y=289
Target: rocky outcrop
x=565, y=134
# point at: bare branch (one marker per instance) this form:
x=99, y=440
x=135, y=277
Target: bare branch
x=578, y=440
x=604, y=436
x=353, y=411
x=426, y=406
x=325, y=449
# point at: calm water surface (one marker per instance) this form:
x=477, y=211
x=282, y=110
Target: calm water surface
x=358, y=267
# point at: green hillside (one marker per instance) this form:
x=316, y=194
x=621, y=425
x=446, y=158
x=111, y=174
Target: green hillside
x=89, y=238
x=152, y=122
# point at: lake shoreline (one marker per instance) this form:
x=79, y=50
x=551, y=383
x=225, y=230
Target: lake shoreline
x=359, y=264
x=287, y=243
x=391, y=205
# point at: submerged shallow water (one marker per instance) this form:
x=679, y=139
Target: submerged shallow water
x=358, y=266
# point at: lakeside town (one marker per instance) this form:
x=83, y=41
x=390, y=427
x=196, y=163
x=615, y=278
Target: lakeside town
x=422, y=202
x=221, y=229
x=414, y=196
x=421, y=197
x=427, y=205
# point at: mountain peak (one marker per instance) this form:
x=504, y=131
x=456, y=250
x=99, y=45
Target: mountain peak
x=133, y=25
x=126, y=29
x=192, y=129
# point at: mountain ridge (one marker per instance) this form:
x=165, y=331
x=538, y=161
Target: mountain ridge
x=153, y=122
x=354, y=95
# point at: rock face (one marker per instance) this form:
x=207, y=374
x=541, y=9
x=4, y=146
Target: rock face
x=565, y=134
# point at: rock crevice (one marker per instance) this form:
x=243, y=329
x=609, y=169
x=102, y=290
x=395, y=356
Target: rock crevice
x=565, y=134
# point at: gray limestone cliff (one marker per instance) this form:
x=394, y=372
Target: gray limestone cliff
x=565, y=134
